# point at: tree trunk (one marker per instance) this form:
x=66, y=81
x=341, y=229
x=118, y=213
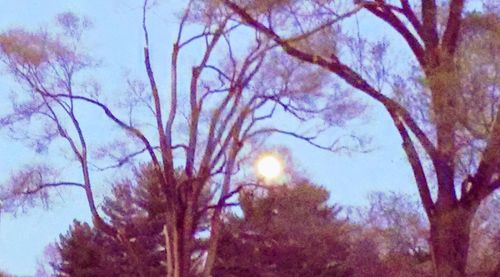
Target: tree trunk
x=179, y=242
x=215, y=229
x=186, y=239
x=171, y=246
x=449, y=239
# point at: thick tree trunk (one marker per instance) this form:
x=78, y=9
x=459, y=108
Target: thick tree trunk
x=449, y=239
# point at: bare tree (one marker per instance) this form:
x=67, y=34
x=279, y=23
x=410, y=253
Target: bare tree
x=396, y=222
x=455, y=104
x=228, y=105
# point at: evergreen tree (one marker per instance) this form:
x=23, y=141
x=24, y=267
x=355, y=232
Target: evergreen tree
x=288, y=231
x=87, y=253
x=136, y=211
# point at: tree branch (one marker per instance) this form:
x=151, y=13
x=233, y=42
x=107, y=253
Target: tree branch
x=218, y=206
x=136, y=132
x=450, y=37
x=416, y=165
x=489, y=164
x=429, y=24
x=193, y=99
x=52, y=185
x=395, y=110
x=412, y=18
x=324, y=25
x=222, y=201
x=383, y=12
x=123, y=160
x=344, y=72
x=166, y=154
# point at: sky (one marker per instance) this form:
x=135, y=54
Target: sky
x=116, y=38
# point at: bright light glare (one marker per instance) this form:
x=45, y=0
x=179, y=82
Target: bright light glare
x=269, y=167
